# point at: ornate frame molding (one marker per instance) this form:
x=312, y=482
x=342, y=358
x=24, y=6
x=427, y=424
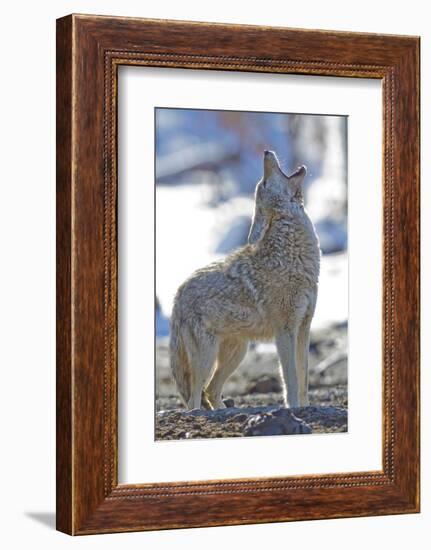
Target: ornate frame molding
x=89, y=498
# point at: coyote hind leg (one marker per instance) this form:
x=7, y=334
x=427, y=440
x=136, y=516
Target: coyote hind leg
x=230, y=355
x=202, y=351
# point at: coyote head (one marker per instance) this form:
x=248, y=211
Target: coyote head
x=276, y=193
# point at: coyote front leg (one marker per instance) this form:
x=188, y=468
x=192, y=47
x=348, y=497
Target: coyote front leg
x=302, y=360
x=286, y=348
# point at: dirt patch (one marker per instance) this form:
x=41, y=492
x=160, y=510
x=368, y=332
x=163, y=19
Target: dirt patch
x=249, y=421
x=254, y=395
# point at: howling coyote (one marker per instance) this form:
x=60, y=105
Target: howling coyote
x=264, y=290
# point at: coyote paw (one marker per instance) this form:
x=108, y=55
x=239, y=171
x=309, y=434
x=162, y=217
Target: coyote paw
x=212, y=403
x=205, y=402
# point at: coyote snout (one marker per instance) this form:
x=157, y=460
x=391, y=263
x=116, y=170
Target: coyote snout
x=264, y=290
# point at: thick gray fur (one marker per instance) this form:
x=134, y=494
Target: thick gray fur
x=262, y=291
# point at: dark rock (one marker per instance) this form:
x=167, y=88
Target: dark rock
x=265, y=384
x=239, y=418
x=281, y=422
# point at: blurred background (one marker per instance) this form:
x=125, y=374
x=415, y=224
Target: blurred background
x=207, y=167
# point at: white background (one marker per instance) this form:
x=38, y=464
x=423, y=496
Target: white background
x=27, y=221
x=141, y=458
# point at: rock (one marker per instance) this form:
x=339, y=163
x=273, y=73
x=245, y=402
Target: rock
x=281, y=422
x=265, y=384
x=332, y=235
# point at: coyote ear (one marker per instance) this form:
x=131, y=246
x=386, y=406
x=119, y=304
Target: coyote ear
x=258, y=227
x=298, y=176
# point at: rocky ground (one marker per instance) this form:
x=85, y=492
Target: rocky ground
x=254, y=398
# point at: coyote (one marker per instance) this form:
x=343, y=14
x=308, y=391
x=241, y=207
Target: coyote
x=265, y=290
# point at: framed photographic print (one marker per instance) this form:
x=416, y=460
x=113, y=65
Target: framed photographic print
x=237, y=274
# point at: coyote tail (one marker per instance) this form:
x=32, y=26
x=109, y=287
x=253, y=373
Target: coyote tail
x=178, y=358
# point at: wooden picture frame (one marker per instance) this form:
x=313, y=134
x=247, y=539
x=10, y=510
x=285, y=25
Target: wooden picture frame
x=89, y=51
